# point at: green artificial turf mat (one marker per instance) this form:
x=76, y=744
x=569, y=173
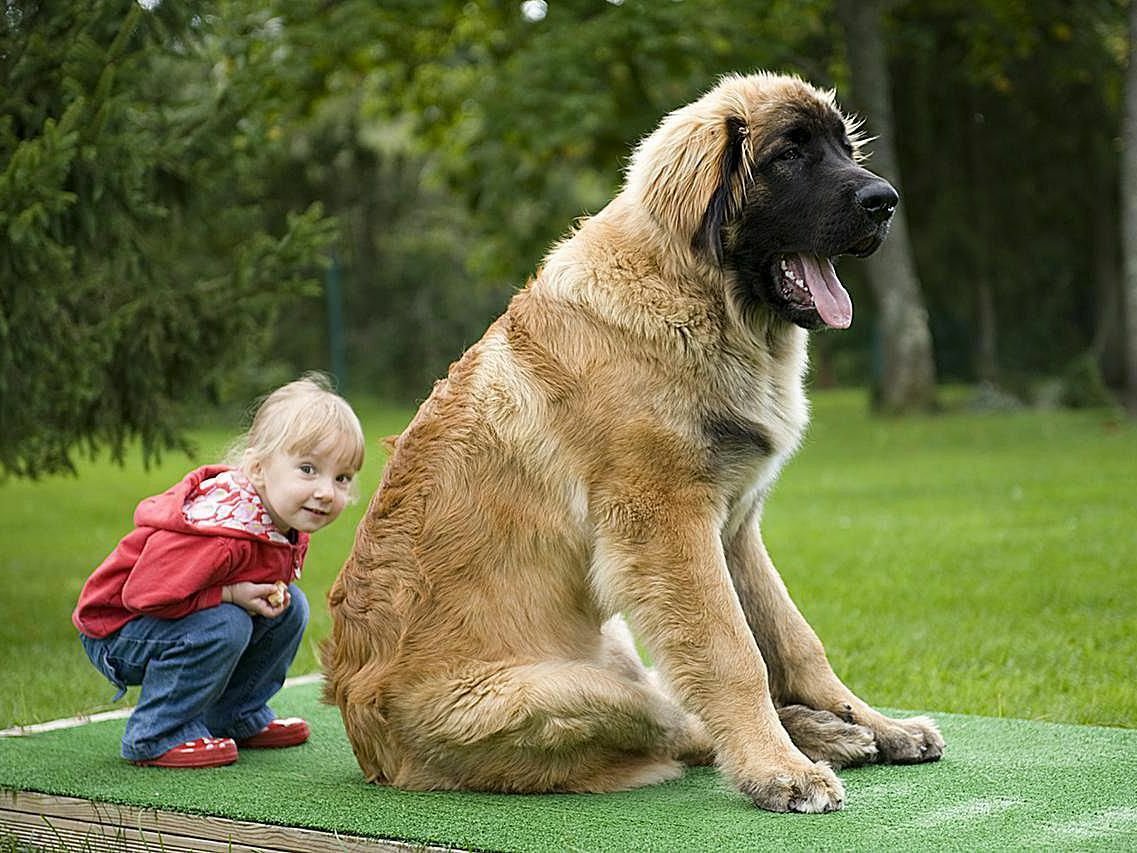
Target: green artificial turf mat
x=1002, y=784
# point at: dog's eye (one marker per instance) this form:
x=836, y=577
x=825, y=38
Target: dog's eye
x=790, y=154
x=799, y=136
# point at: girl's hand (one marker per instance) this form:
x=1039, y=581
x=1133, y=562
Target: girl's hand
x=254, y=598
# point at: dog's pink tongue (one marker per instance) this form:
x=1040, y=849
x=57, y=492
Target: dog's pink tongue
x=829, y=295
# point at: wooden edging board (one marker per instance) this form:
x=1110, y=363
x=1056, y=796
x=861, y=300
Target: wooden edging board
x=69, y=823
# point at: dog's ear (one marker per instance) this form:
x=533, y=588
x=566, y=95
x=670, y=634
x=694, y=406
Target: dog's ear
x=726, y=200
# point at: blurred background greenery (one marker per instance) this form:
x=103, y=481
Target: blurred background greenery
x=975, y=562
x=199, y=201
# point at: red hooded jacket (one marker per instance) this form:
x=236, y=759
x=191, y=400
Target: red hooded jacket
x=208, y=531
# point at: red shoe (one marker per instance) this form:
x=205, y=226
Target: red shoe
x=203, y=752
x=290, y=731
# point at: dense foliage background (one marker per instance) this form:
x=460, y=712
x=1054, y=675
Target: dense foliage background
x=197, y=202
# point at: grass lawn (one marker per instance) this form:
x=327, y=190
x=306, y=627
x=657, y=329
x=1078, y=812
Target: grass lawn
x=976, y=563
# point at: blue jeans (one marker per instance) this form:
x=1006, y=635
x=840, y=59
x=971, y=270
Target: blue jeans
x=207, y=674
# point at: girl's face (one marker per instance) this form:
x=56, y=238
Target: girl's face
x=303, y=492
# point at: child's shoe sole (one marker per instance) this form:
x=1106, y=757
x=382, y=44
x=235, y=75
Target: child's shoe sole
x=203, y=752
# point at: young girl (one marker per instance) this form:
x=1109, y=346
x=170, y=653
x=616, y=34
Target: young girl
x=197, y=604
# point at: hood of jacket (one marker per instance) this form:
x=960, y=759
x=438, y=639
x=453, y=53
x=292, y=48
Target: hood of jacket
x=215, y=500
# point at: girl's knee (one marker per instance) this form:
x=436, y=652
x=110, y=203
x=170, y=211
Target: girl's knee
x=229, y=629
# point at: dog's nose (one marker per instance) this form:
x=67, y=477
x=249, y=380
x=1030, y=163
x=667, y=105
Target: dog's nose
x=878, y=199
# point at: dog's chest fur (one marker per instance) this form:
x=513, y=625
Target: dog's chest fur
x=758, y=422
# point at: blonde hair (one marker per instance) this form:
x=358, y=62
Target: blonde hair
x=298, y=418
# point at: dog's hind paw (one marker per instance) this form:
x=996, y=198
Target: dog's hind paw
x=823, y=736
x=812, y=789
x=910, y=741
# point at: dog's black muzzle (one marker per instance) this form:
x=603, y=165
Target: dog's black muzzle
x=877, y=199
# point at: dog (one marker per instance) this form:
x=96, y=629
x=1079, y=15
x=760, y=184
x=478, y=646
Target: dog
x=604, y=452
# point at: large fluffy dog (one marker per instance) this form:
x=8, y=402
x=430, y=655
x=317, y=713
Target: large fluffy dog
x=606, y=448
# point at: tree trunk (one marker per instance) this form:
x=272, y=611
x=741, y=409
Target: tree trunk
x=1129, y=215
x=986, y=346
x=1108, y=345
x=986, y=353
x=907, y=378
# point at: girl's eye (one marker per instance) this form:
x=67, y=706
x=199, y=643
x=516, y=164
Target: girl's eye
x=344, y=479
x=307, y=468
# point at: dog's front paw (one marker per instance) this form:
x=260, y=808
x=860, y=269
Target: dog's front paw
x=812, y=788
x=909, y=741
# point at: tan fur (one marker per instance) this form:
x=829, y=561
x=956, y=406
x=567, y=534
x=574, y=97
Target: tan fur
x=562, y=474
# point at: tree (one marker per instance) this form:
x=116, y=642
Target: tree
x=907, y=374
x=1129, y=214
x=138, y=274
x=1007, y=127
